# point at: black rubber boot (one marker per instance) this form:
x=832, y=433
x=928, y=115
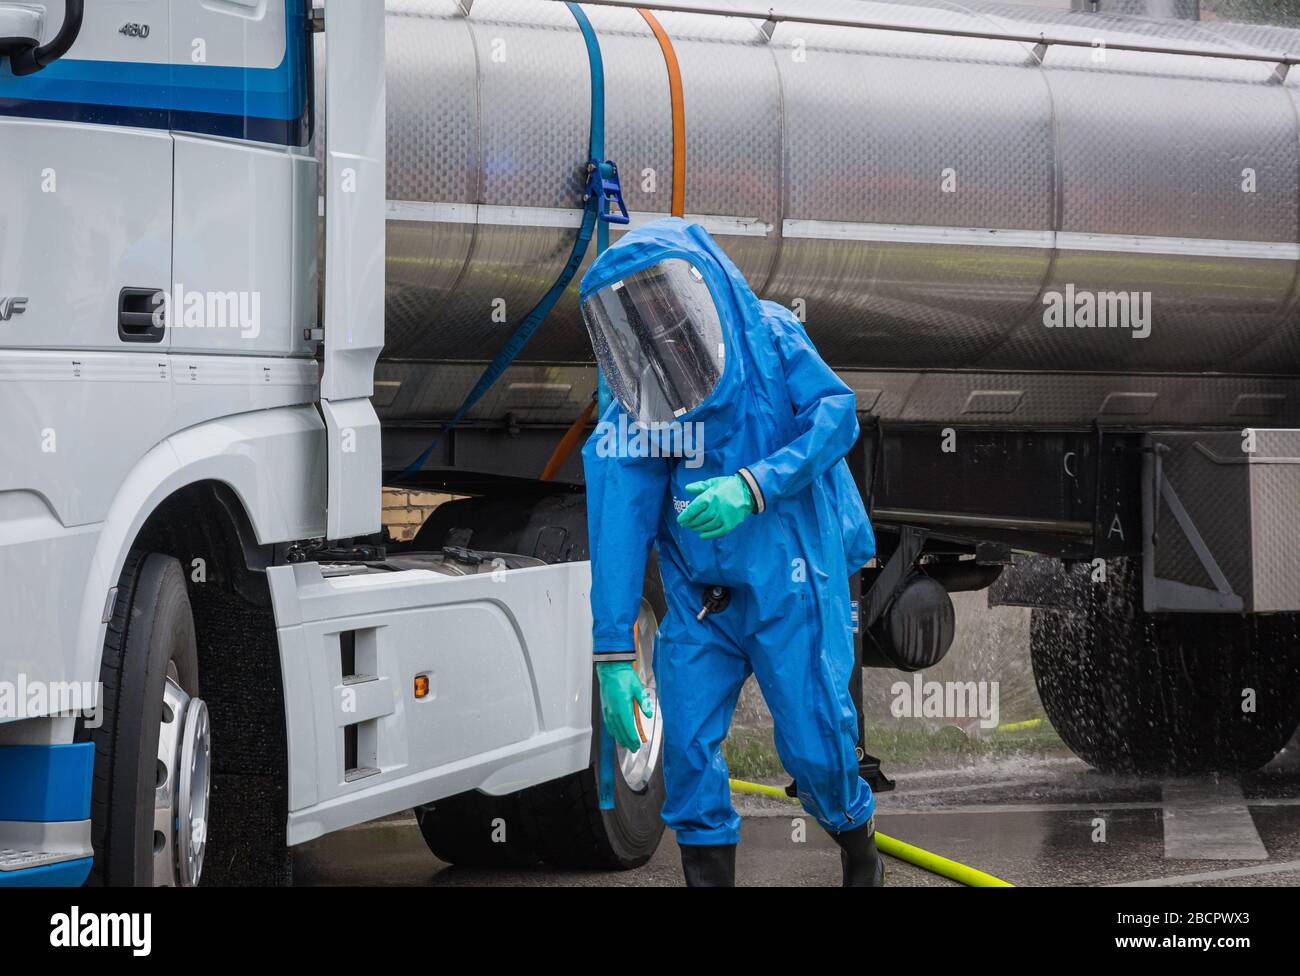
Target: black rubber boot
x=709, y=865
x=863, y=867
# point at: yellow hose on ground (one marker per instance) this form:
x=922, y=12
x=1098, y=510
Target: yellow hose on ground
x=934, y=863
x=1026, y=725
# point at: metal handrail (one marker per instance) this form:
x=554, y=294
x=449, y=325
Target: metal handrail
x=1041, y=42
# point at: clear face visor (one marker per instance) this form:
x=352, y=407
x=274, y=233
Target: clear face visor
x=658, y=339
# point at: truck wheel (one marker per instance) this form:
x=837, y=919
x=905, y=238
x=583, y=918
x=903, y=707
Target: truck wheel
x=476, y=830
x=572, y=830
x=149, y=800
x=559, y=822
x=1165, y=693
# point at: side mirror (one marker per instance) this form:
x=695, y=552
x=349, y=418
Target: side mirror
x=20, y=29
x=26, y=54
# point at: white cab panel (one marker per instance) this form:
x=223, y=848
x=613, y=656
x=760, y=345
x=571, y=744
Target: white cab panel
x=43, y=569
x=354, y=248
x=230, y=33
x=77, y=226
x=355, y=228
x=508, y=658
x=237, y=257
x=353, y=433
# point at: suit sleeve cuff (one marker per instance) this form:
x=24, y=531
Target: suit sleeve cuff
x=611, y=657
x=760, y=502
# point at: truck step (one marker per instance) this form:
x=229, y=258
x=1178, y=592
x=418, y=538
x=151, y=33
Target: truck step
x=19, y=860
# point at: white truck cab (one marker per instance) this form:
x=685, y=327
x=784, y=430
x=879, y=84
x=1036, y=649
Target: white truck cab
x=196, y=652
x=210, y=651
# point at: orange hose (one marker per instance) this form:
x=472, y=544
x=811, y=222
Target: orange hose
x=568, y=442
x=679, y=111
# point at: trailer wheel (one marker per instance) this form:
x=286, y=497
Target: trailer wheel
x=149, y=800
x=559, y=822
x=1146, y=693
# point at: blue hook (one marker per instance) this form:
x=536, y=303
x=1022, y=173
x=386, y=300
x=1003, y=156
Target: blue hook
x=603, y=182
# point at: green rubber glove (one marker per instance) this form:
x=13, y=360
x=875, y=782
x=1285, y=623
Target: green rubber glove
x=620, y=692
x=723, y=503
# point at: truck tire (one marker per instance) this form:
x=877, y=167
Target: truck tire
x=239, y=661
x=1158, y=694
x=141, y=799
x=560, y=822
x=571, y=828
x=474, y=829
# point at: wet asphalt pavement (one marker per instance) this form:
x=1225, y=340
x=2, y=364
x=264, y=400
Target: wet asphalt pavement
x=1031, y=822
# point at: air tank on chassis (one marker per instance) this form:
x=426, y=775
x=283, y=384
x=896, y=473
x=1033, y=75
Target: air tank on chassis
x=916, y=196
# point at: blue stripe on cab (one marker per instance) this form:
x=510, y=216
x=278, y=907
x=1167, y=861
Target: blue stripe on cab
x=265, y=104
x=268, y=93
x=46, y=784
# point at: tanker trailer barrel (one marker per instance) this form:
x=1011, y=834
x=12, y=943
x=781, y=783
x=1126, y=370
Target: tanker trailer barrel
x=924, y=193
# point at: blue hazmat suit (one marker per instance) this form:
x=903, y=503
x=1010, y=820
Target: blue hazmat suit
x=780, y=412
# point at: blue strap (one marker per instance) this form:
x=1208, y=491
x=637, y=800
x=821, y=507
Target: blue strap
x=597, y=80
x=602, y=190
x=607, y=750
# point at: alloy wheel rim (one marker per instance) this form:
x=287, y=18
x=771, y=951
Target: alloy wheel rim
x=182, y=788
x=638, y=768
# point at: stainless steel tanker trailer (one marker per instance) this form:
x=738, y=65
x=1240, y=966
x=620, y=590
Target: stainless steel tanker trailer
x=1053, y=253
